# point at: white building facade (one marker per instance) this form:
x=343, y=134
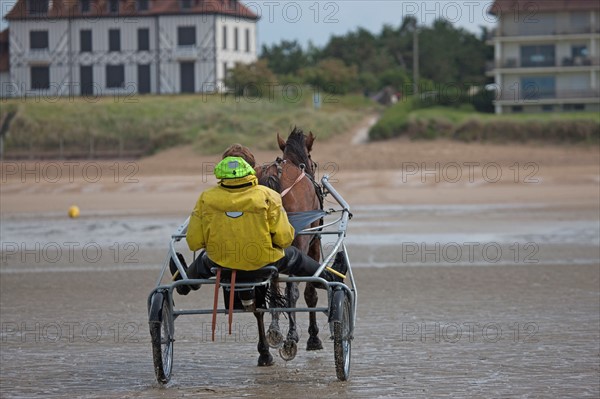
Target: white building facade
x=125, y=47
x=547, y=55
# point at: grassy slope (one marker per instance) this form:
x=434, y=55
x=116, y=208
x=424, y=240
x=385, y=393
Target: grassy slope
x=210, y=122
x=466, y=124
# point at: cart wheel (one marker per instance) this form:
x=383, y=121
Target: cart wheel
x=341, y=337
x=161, y=332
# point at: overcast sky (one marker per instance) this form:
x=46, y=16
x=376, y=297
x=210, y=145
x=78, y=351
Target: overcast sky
x=316, y=21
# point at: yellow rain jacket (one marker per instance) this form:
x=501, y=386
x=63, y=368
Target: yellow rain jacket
x=241, y=224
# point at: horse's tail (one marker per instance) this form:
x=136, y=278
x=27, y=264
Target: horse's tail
x=274, y=297
x=270, y=181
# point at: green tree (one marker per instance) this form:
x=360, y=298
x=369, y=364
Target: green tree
x=332, y=76
x=253, y=80
x=451, y=56
x=286, y=58
x=448, y=56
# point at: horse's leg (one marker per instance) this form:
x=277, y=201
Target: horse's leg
x=292, y=293
x=310, y=296
x=290, y=346
x=264, y=358
x=274, y=335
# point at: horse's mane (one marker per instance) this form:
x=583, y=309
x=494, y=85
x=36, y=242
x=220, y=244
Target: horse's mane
x=295, y=150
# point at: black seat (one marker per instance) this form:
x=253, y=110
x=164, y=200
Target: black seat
x=248, y=297
x=247, y=276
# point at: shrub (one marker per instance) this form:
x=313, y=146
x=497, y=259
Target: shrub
x=331, y=76
x=483, y=101
x=393, y=122
x=252, y=80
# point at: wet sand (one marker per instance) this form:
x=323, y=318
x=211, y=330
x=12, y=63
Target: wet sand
x=523, y=321
x=507, y=331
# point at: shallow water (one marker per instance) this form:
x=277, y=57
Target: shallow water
x=415, y=235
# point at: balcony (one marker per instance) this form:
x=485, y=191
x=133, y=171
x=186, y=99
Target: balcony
x=549, y=34
x=532, y=97
x=186, y=53
x=550, y=31
x=578, y=61
x=566, y=64
x=39, y=57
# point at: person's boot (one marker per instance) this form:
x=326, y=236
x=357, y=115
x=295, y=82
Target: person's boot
x=181, y=289
x=340, y=266
x=300, y=264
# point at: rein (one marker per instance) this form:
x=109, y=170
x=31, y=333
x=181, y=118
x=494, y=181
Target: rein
x=300, y=177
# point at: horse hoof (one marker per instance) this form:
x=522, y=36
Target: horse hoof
x=265, y=360
x=289, y=350
x=274, y=338
x=314, y=344
x=293, y=336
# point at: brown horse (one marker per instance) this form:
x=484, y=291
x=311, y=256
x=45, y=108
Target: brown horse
x=293, y=176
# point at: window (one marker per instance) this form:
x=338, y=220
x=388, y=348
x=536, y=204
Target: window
x=40, y=77
x=113, y=6
x=144, y=79
x=187, y=77
x=114, y=40
x=37, y=7
x=536, y=87
x=85, y=6
x=538, y=56
x=580, y=54
x=224, y=38
x=142, y=5
x=143, y=39
x=580, y=22
x=186, y=36
x=579, y=51
x=533, y=22
x=547, y=108
x=247, y=40
x=86, y=76
x=115, y=76
x=85, y=38
x=517, y=108
x=573, y=107
x=186, y=4
x=38, y=40
x=236, y=44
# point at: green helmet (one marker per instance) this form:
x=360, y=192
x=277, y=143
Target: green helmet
x=233, y=168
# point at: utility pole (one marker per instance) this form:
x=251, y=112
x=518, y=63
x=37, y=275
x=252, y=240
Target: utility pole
x=415, y=59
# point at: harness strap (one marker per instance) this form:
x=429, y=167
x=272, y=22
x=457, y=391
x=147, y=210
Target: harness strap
x=231, y=298
x=214, y=315
x=287, y=190
x=216, y=302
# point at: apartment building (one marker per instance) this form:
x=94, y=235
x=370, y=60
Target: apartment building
x=547, y=55
x=123, y=47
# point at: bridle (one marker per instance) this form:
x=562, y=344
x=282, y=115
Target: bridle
x=279, y=164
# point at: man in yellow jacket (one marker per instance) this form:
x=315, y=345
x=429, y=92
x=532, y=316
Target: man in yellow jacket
x=242, y=225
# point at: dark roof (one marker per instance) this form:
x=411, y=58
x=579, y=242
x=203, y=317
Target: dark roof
x=4, y=58
x=129, y=8
x=509, y=6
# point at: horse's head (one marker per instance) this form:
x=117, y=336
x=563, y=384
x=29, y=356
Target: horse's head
x=297, y=149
